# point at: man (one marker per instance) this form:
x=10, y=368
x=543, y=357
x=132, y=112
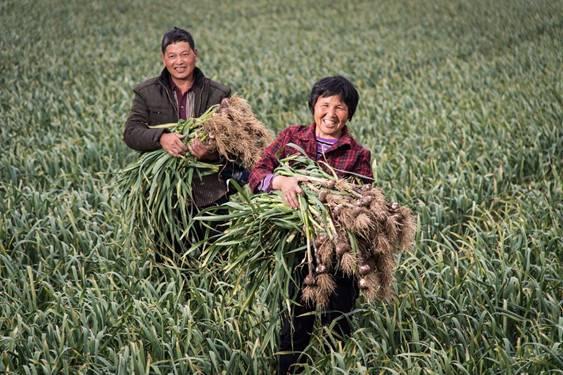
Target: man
x=181, y=91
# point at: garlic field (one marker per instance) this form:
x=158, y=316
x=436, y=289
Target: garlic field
x=461, y=105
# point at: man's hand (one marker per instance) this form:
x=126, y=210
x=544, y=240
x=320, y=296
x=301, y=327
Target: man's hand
x=172, y=143
x=201, y=151
x=289, y=187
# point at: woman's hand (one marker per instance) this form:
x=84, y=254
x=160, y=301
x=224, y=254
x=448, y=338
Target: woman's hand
x=201, y=151
x=172, y=143
x=289, y=187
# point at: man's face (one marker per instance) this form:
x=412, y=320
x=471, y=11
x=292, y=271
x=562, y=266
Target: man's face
x=180, y=59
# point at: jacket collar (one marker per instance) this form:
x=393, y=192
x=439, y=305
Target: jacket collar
x=166, y=79
x=199, y=87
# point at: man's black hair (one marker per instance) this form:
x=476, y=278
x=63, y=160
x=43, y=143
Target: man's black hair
x=176, y=35
x=336, y=85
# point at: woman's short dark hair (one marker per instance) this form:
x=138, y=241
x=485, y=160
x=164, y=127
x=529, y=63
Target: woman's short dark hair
x=336, y=85
x=176, y=35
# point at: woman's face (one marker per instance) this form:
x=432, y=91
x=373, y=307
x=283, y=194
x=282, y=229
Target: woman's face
x=330, y=114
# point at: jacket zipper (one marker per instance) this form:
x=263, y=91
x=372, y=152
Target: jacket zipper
x=171, y=100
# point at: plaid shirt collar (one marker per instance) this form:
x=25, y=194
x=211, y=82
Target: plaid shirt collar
x=344, y=140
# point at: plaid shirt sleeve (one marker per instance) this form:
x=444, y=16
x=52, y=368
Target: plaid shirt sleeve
x=363, y=166
x=352, y=162
x=269, y=160
x=350, y=159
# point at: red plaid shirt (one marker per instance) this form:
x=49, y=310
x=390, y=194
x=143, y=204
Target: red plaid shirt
x=346, y=155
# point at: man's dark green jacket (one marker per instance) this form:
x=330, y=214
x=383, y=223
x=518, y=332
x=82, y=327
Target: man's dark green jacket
x=154, y=104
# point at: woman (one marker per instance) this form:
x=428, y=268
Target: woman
x=333, y=102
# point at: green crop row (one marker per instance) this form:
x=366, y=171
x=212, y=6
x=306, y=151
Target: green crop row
x=461, y=104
